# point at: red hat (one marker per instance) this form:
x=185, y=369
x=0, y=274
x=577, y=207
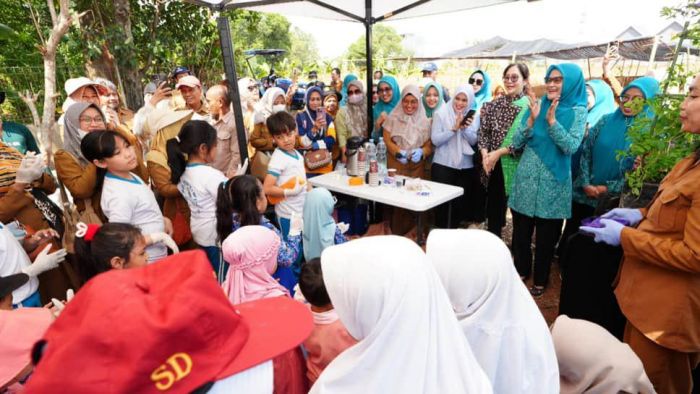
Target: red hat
x=164, y=327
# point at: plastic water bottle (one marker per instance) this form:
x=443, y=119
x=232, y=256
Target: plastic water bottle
x=381, y=156
x=371, y=151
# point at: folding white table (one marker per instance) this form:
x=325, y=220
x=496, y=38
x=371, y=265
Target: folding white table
x=438, y=193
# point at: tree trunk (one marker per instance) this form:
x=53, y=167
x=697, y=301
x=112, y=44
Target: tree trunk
x=128, y=71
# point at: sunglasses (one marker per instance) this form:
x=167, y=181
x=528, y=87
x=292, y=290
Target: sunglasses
x=556, y=80
x=511, y=78
x=354, y=92
x=252, y=88
x=478, y=82
x=384, y=90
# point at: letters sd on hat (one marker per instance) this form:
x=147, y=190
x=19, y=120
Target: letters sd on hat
x=166, y=327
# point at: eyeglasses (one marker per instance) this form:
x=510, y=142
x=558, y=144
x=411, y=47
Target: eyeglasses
x=374, y=92
x=556, y=80
x=384, y=90
x=252, y=88
x=625, y=98
x=354, y=92
x=89, y=120
x=511, y=78
x=478, y=82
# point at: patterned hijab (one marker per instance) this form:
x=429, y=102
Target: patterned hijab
x=408, y=131
x=251, y=252
x=10, y=159
x=72, y=135
x=356, y=113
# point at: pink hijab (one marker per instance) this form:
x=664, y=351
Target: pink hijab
x=19, y=330
x=252, y=253
x=408, y=131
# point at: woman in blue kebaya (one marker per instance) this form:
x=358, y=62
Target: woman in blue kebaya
x=550, y=133
x=316, y=128
x=481, y=82
x=602, y=171
x=389, y=95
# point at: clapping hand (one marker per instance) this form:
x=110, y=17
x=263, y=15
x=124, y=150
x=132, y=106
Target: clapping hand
x=551, y=112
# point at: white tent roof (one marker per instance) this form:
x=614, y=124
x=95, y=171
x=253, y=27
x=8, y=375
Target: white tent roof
x=353, y=10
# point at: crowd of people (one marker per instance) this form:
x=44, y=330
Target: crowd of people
x=162, y=267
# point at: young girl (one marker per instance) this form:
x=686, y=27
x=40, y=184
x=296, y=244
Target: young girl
x=198, y=182
x=241, y=202
x=320, y=229
x=111, y=246
x=252, y=254
x=125, y=197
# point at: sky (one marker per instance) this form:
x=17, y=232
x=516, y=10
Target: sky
x=567, y=21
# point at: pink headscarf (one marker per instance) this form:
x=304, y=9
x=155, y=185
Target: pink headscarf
x=409, y=131
x=19, y=330
x=252, y=253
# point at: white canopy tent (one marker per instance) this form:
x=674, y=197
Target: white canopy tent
x=367, y=12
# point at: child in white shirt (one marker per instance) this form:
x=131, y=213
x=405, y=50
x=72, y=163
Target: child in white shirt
x=125, y=197
x=199, y=184
x=285, y=183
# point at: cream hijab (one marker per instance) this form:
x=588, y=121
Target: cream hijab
x=263, y=109
x=506, y=331
x=390, y=299
x=593, y=361
x=356, y=113
x=408, y=131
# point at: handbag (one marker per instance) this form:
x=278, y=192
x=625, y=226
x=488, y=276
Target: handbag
x=317, y=158
x=258, y=167
x=71, y=217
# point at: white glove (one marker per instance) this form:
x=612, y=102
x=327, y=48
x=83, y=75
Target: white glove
x=296, y=191
x=296, y=224
x=242, y=168
x=164, y=239
x=343, y=227
x=59, y=306
x=45, y=261
x=31, y=168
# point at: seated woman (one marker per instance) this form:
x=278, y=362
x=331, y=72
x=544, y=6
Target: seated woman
x=316, y=130
x=407, y=138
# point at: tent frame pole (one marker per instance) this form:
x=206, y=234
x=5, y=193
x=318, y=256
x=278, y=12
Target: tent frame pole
x=227, y=51
x=368, y=58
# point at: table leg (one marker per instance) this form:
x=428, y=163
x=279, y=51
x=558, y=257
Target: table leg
x=419, y=229
x=449, y=214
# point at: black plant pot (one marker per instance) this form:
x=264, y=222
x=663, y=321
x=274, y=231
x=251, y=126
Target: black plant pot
x=647, y=193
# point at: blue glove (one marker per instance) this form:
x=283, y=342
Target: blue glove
x=314, y=146
x=633, y=216
x=402, y=157
x=416, y=155
x=609, y=233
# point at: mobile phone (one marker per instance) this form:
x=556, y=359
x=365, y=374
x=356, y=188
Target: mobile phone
x=469, y=115
x=320, y=114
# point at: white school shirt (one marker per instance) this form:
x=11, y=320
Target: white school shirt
x=285, y=166
x=12, y=260
x=132, y=201
x=199, y=185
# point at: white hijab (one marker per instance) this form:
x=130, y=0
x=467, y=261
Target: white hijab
x=592, y=361
x=390, y=299
x=506, y=331
x=263, y=109
x=444, y=119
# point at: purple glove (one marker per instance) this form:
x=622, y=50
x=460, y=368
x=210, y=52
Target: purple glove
x=632, y=216
x=609, y=233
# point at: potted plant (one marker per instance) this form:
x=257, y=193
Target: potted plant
x=657, y=142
